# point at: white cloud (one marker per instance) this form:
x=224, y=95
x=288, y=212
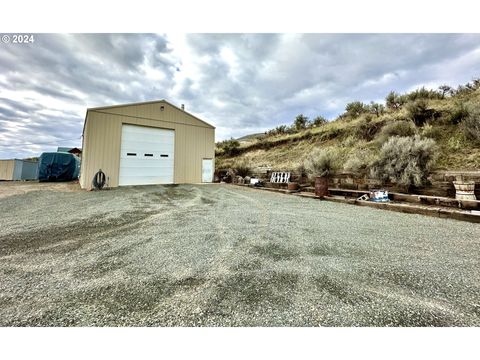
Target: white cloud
x=241, y=83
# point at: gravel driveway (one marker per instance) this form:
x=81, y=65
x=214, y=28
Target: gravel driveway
x=219, y=255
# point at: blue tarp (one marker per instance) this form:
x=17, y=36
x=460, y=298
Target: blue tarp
x=58, y=166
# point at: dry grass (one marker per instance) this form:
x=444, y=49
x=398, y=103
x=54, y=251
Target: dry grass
x=288, y=151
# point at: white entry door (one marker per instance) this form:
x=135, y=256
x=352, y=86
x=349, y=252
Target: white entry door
x=207, y=170
x=147, y=155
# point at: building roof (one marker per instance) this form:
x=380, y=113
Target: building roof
x=145, y=103
x=67, y=149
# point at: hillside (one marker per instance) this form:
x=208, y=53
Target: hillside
x=361, y=131
x=250, y=137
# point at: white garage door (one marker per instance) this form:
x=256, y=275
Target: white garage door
x=146, y=155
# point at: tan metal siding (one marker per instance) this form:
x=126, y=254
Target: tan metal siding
x=209, y=140
x=180, y=145
x=194, y=140
x=6, y=169
x=152, y=111
x=190, y=164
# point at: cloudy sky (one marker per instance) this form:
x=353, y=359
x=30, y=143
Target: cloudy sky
x=240, y=83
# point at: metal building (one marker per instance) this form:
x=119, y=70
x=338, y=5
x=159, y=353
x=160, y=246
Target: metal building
x=146, y=143
x=18, y=169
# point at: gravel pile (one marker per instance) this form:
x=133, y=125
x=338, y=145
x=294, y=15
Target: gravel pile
x=219, y=255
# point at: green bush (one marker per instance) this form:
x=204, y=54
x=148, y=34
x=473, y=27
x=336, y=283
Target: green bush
x=405, y=160
x=355, y=109
x=425, y=94
x=279, y=130
x=394, y=101
x=432, y=132
x=301, y=122
x=360, y=161
x=230, y=147
x=456, y=141
x=376, y=108
x=418, y=112
x=319, y=121
x=242, y=168
x=321, y=162
x=366, y=129
x=350, y=141
x=459, y=113
x=468, y=88
x=331, y=133
x=396, y=128
x=445, y=90
x=471, y=124
x=301, y=171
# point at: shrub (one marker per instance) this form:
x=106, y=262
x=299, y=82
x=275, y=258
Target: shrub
x=432, y=132
x=301, y=171
x=281, y=129
x=463, y=90
x=424, y=94
x=229, y=147
x=301, y=122
x=459, y=113
x=376, y=108
x=405, y=160
x=319, y=121
x=468, y=87
x=360, y=161
x=350, y=141
x=331, y=133
x=367, y=129
x=456, y=141
x=445, y=90
x=394, y=101
x=321, y=162
x=242, y=168
x=419, y=112
x=396, y=128
x=471, y=124
x=355, y=109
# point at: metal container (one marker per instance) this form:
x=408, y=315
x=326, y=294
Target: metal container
x=18, y=169
x=464, y=190
x=321, y=186
x=29, y=170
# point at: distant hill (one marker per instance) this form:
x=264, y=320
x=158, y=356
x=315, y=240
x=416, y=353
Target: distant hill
x=250, y=137
x=449, y=116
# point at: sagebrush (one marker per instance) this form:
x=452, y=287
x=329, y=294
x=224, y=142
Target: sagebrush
x=242, y=168
x=397, y=128
x=360, y=161
x=321, y=162
x=471, y=124
x=459, y=112
x=405, y=160
x=419, y=112
x=229, y=147
x=367, y=129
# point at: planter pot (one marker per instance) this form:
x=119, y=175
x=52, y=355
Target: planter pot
x=293, y=186
x=321, y=186
x=464, y=190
